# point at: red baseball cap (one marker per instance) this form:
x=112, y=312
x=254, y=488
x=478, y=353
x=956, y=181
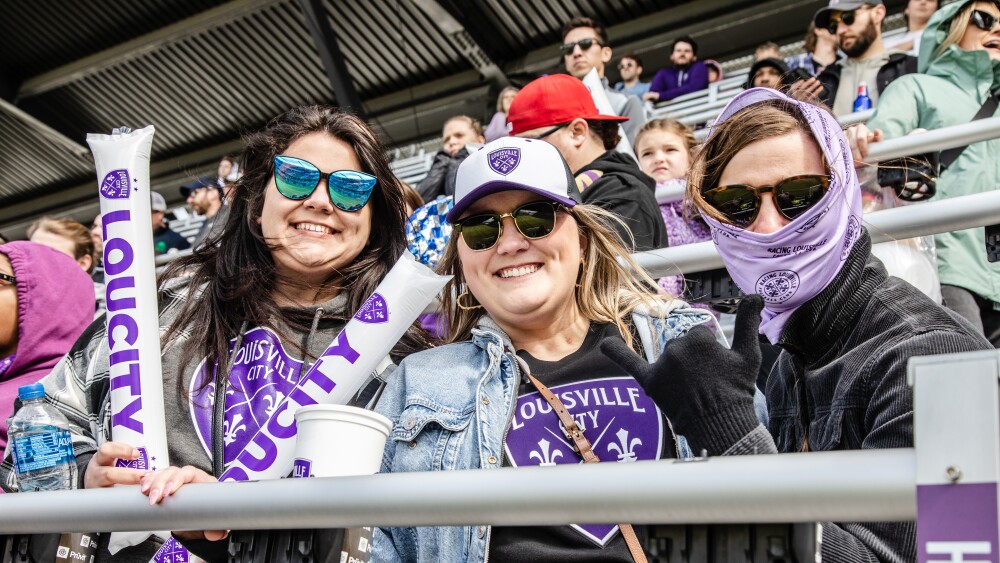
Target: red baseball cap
x=553, y=100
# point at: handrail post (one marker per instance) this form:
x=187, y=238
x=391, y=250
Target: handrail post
x=957, y=437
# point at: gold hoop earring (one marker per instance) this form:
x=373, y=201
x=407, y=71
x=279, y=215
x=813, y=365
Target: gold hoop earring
x=583, y=268
x=458, y=302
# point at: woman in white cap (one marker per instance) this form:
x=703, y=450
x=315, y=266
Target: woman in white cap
x=536, y=288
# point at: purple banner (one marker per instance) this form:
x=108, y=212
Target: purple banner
x=957, y=523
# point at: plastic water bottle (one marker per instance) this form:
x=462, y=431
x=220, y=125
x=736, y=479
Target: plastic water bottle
x=43, y=448
x=862, y=102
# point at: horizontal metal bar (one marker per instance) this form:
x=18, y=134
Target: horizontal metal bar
x=933, y=217
x=164, y=259
x=845, y=120
x=870, y=485
x=936, y=139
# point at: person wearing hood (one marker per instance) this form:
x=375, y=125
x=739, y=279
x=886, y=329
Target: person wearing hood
x=959, y=72
x=766, y=73
x=316, y=224
x=775, y=181
x=36, y=280
x=559, y=109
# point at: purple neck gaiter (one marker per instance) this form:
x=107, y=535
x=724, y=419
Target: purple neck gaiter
x=795, y=263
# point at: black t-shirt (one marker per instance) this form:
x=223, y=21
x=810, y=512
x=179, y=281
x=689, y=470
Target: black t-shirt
x=620, y=421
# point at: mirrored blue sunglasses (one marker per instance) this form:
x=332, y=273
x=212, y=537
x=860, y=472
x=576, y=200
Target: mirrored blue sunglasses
x=297, y=179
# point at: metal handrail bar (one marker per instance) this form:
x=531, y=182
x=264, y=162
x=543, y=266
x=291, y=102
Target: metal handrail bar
x=929, y=141
x=869, y=485
x=844, y=120
x=164, y=259
x=931, y=218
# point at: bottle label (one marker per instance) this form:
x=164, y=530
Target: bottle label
x=42, y=450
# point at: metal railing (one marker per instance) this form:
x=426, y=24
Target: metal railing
x=931, y=218
x=934, y=140
x=838, y=486
x=835, y=486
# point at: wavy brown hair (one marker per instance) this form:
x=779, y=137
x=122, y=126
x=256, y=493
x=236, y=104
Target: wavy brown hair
x=607, y=290
x=235, y=268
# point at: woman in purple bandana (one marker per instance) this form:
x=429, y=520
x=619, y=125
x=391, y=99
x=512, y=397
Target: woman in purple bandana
x=776, y=184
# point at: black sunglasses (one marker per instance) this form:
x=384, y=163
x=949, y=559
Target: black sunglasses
x=848, y=18
x=9, y=278
x=547, y=133
x=585, y=44
x=534, y=220
x=739, y=204
x=984, y=20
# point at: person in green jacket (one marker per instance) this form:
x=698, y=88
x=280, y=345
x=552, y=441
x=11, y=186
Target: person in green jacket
x=959, y=70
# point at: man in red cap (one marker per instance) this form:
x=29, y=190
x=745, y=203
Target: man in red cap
x=559, y=109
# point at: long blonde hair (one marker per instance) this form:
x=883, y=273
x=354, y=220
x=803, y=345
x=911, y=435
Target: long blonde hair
x=959, y=24
x=607, y=290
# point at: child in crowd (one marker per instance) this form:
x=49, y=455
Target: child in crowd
x=67, y=236
x=498, y=124
x=665, y=148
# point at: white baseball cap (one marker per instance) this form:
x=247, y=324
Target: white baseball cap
x=156, y=202
x=514, y=163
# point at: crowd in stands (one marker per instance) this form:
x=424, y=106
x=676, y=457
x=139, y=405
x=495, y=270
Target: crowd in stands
x=535, y=218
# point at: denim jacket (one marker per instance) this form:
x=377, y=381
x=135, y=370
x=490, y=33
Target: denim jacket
x=457, y=418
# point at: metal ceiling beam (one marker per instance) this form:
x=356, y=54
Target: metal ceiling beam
x=8, y=86
x=470, y=47
x=82, y=198
x=43, y=129
x=659, y=29
x=140, y=46
x=423, y=92
x=329, y=52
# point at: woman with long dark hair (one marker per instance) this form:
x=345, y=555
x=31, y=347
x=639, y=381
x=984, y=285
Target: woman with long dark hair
x=316, y=223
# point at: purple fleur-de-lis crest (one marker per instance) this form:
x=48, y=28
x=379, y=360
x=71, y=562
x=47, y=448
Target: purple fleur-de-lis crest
x=141, y=462
x=504, y=161
x=374, y=311
x=171, y=552
x=116, y=185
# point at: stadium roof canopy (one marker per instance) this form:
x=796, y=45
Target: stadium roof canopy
x=204, y=72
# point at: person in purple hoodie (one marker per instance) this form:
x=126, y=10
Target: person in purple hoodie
x=686, y=75
x=46, y=301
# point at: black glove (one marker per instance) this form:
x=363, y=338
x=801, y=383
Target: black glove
x=704, y=388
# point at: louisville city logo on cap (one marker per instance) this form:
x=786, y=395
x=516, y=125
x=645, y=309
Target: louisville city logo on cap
x=504, y=161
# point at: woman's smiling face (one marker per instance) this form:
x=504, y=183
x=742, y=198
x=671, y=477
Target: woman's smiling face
x=523, y=282
x=311, y=238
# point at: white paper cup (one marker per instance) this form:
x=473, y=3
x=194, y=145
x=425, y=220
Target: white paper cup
x=338, y=441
